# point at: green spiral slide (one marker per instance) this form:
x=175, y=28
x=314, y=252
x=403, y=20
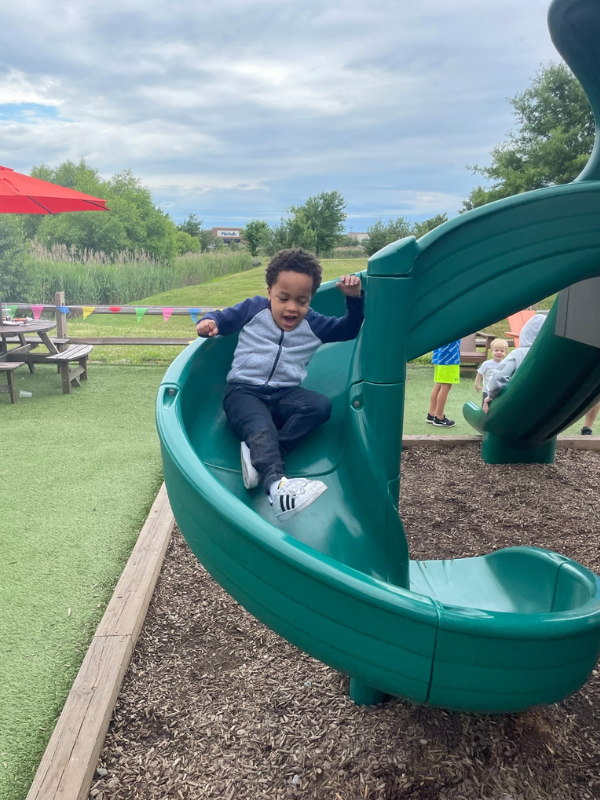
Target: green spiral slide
x=560, y=379
x=497, y=633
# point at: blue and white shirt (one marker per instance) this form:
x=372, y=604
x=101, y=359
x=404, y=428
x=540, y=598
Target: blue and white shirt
x=265, y=354
x=448, y=354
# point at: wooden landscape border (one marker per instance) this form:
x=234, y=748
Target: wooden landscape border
x=564, y=442
x=67, y=767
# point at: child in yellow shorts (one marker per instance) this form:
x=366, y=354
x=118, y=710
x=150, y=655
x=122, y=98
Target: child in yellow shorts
x=446, y=361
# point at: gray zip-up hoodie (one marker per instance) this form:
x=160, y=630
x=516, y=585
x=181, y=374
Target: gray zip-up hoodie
x=267, y=355
x=514, y=360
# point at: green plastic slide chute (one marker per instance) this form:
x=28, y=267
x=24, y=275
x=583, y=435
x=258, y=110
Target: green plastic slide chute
x=496, y=633
x=556, y=384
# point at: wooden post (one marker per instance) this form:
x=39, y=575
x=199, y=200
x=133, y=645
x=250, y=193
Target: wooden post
x=61, y=317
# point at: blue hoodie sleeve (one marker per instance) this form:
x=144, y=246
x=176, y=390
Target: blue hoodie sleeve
x=339, y=329
x=232, y=319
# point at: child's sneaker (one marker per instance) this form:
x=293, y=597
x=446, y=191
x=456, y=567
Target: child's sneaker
x=430, y=418
x=443, y=423
x=585, y=431
x=249, y=474
x=294, y=495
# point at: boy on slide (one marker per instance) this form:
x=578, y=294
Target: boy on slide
x=264, y=403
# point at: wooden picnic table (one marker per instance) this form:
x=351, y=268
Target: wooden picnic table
x=22, y=351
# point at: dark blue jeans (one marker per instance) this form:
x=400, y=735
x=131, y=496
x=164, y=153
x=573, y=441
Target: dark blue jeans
x=272, y=421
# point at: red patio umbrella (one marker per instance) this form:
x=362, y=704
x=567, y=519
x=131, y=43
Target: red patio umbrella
x=22, y=194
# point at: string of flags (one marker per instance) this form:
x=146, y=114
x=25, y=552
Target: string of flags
x=37, y=310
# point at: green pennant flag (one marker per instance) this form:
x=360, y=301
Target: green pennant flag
x=139, y=313
x=11, y=311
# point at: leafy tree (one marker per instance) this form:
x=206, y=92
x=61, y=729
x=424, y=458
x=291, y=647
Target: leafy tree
x=294, y=231
x=133, y=223
x=381, y=234
x=210, y=241
x=186, y=243
x=256, y=233
x=192, y=225
x=14, y=282
x=552, y=144
x=421, y=228
x=345, y=240
x=326, y=215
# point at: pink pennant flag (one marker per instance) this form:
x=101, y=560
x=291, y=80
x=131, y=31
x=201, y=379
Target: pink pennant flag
x=37, y=311
x=167, y=313
x=115, y=309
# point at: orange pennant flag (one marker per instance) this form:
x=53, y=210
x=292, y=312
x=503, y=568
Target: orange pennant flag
x=87, y=310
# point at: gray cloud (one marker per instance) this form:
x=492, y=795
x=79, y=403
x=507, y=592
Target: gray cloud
x=240, y=109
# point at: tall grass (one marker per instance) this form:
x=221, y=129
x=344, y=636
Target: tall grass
x=93, y=278
x=347, y=252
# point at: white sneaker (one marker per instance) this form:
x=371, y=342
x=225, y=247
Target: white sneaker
x=295, y=494
x=249, y=474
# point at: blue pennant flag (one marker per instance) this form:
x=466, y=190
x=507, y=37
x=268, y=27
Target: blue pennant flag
x=63, y=309
x=194, y=314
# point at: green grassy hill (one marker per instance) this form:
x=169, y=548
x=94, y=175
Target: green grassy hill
x=232, y=289
x=220, y=292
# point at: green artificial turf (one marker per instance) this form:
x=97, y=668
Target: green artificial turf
x=78, y=475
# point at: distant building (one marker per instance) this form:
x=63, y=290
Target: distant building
x=228, y=234
x=358, y=236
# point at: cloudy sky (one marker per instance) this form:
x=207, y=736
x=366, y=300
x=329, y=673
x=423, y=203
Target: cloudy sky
x=236, y=109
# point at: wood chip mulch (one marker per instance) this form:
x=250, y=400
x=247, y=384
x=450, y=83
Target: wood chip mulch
x=215, y=705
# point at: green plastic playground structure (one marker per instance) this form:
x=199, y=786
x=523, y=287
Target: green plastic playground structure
x=523, y=422
x=496, y=633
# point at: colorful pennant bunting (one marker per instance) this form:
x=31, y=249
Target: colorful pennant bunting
x=87, y=310
x=194, y=314
x=139, y=313
x=167, y=313
x=63, y=309
x=37, y=311
x=114, y=309
x=11, y=311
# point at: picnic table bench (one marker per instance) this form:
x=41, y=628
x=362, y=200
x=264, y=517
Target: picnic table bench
x=70, y=377
x=9, y=368
x=469, y=354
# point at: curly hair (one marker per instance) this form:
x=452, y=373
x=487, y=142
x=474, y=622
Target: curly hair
x=294, y=260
